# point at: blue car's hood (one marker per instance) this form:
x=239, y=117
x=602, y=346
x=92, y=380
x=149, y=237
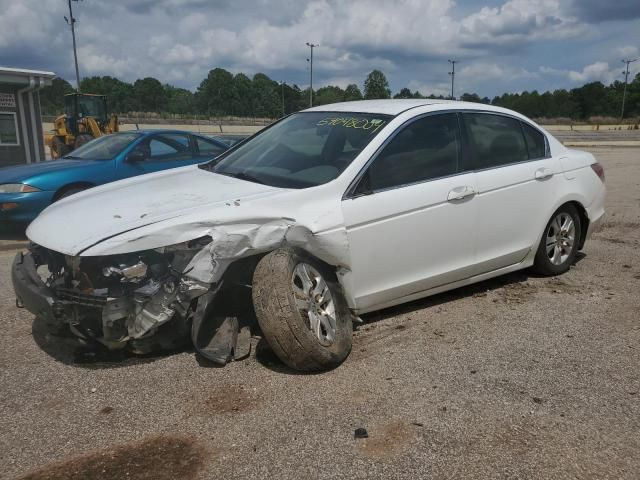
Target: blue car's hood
x=23, y=173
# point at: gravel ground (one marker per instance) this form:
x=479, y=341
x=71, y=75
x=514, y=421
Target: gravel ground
x=519, y=377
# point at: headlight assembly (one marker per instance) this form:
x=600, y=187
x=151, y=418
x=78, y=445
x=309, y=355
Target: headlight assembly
x=17, y=188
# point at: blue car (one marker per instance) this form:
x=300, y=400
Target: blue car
x=26, y=190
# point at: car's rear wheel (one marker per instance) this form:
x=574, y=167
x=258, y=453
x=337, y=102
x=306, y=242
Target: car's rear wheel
x=559, y=244
x=301, y=310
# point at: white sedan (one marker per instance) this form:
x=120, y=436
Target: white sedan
x=328, y=213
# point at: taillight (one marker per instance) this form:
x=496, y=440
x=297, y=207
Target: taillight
x=596, y=167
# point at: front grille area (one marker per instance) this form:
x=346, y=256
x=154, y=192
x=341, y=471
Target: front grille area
x=79, y=298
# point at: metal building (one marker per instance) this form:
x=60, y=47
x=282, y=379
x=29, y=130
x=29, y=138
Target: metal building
x=21, y=136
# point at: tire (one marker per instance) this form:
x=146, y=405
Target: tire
x=82, y=138
x=58, y=148
x=559, y=243
x=70, y=191
x=287, y=314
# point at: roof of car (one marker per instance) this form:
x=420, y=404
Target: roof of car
x=388, y=107
x=147, y=131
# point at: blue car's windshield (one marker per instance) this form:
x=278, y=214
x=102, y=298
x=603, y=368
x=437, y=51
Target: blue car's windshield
x=103, y=148
x=303, y=150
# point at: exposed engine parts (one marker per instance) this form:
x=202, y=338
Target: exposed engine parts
x=119, y=299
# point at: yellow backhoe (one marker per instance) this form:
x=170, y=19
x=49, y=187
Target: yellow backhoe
x=85, y=118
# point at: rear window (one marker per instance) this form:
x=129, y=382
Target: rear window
x=498, y=140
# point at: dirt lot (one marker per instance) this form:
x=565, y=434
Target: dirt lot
x=520, y=377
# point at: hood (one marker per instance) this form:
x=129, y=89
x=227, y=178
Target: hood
x=84, y=220
x=23, y=173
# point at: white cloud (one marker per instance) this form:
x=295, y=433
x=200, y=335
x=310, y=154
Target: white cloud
x=181, y=40
x=628, y=51
x=491, y=71
x=595, y=72
x=521, y=20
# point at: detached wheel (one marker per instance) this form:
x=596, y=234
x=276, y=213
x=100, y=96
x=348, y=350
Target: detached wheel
x=301, y=311
x=559, y=244
x=58, y=148
x=82, y=139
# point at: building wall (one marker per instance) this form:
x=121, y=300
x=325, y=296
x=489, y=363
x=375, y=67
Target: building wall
x=31, y=146
x=11, y=154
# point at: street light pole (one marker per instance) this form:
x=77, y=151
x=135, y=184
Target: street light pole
x=72, y=22
x=311, y=46
x=453, y=75
x=626, y=78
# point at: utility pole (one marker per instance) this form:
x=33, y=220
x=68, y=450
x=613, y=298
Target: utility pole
x=311, y=46
x=453, y=75
x=282, y=85
x=626, y=78
x=72, y=22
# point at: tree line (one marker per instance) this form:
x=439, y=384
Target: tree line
x=223, y=93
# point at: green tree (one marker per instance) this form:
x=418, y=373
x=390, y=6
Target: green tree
x=52, y=97
x=120, y=97
x=471, y=97
x=148, y=94
x=352, y=92
x=376, y=86
x=241, y=104
x=178, y=100
x=265, y=95
x=404, y=93
x=328, y=94
x=215, y=94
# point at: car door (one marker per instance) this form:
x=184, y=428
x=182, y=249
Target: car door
x=159, y=151
x=410, y=216
x=516, y=187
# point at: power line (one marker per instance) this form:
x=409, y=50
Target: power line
x=626, y=78
x=311, y=46
x=452, y=73
x=71, y=21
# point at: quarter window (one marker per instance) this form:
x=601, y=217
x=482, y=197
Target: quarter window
x=207, y=148
x=425, y=149
x=535, y=142
x=498, y=140
x=167, y=147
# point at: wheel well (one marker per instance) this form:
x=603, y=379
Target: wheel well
x=241, y=270
x=71, y=186
x=584, y=222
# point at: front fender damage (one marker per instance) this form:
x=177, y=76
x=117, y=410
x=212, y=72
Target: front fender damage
x=219, y=337
x=148, y=296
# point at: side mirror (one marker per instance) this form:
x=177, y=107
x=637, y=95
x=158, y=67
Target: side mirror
x=135, y=156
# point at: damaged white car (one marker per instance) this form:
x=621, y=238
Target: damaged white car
x=327, y=214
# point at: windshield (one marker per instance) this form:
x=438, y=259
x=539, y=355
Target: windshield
x=103, y=148
x=303, y=150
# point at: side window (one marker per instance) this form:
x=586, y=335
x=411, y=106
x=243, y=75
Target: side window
x=498, y=140
x=160, y=149
x=207, y=148
x=169, y=147
x=425, y=149
x=535, y=142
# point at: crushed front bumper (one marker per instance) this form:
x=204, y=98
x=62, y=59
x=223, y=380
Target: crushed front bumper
x=31, y=292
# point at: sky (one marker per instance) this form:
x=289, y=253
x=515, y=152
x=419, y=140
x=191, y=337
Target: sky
x=501, y=46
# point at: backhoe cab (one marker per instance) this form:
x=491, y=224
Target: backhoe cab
x=85, y=118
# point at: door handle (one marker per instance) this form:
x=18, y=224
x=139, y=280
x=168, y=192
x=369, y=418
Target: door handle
x=543, y=173
x=460, y=193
